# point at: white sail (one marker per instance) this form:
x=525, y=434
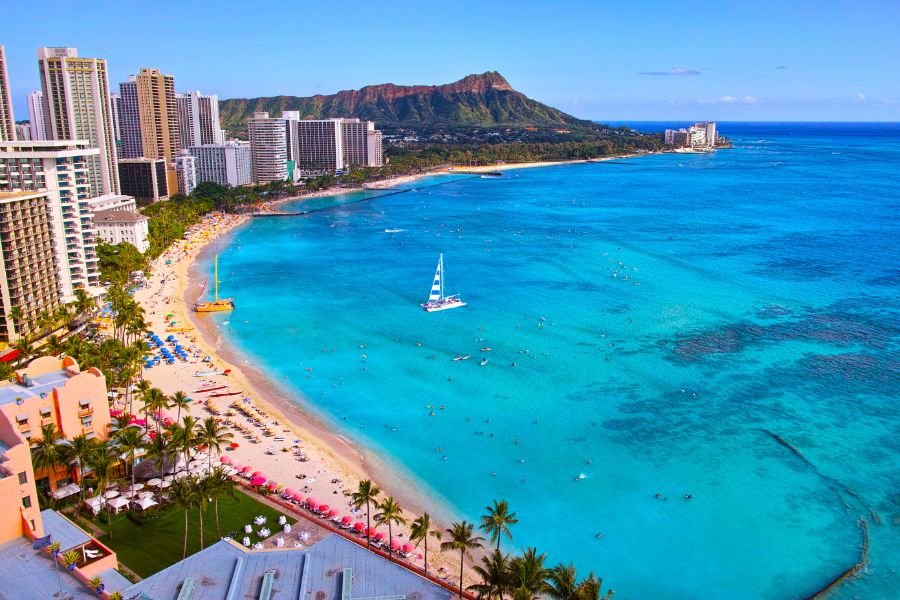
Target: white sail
x=437, y=288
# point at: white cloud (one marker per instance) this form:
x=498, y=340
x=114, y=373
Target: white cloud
x=677, y=71
x=860, y=97
x=729, y=100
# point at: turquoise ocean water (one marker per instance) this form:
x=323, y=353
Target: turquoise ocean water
x=723, y=325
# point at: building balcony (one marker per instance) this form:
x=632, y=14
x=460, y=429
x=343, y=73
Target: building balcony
x=85, y=412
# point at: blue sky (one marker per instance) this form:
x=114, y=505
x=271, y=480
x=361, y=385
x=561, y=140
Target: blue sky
x=652, y=60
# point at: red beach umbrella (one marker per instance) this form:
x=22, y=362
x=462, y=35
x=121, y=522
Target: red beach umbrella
x=224, y=460
x=407, y=548
x=235, y=445
x=297, y=497
x=359, y=527
x=323, y=508
x=332, y=513
x=257, y=474
x=272, y=486
x=346, y=520
x=370, y=532
x=152, y=435
x=312, y=504
x=288, y=492
x=258, y=481
x=246, y=469
x=115, y=413
x=379, y=536
x=395, y=545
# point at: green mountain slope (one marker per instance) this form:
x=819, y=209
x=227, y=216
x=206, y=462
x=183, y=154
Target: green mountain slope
x=485, y=100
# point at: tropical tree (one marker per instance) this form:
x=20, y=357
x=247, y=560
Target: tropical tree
x=527, y=575
x=84, y=304
x=130, y=441
x=213, y=435
x=77, y=451
x=562, y=582
x=497, y=520
x=219, y=484
x=366, y=493
x=494, y=573
x=103, y=460
x=179, y=400
x=154, y=401
x=159, y=449
x=182, y=494
x=26, y=350
x=390, y=513
x=47, y=453
x=142, y=388
x=201, y=499
x=463, y=540
x=589, y=588
x=184, y=436
x=420, y=532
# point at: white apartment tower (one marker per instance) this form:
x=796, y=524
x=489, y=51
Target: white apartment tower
x=36, y=116
x=268, y=148
x=198, y=119
x=76, y=107
x=186, y=172
x=7, y=121
x=115, y=110
x=226, y=164
x=374, y=147
x=59, y=169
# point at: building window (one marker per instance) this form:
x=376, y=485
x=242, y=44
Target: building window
x=26, y=501
x=23, y=478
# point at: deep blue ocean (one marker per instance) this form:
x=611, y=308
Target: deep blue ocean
x=720, y=326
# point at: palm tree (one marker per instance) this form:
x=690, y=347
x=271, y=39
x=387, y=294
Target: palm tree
x=182, y=494
x=103, y=460
x=528, y=575
x=497, y=520
x=219, y=484
x=494, y=573
x=158, y=449
x=214, y=435
x=419, y=533
x=179, y=400
x=201, y=499
x=185, y=436
x=83, y=301
x=16, y=315
x=366, y=493
x=47, y=453
x=77, y=451
x=130, y=441
x=590, y=589
x=391, y=513
x=53, y=345
x=462, y=539
x=154, y=401
x=143, y=388
x=26, y=350
x=562, y=582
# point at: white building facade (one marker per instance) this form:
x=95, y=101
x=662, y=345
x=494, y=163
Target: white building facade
x=36, y=116
x=118, y=226
x=198, y=119
x=268, y=148
x=186, y=172
x=226, y=164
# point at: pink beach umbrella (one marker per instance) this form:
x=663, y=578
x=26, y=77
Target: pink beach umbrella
x=323, y=508
x=395, y=545
x=246, y=469
x=257, y=474
x=297, y=497
x=407, y=548
x=224, y=460
x=346, y=520
x=258, y=481
x=379, y=536
x=359, y=527
x=115, y=413
x=312, y=504
x=332, y=513
x=288, y=492
x=272, y=486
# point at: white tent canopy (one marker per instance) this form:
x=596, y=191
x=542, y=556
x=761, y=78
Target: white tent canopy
x=145, y=503
x=117, y=503
x=66, y=491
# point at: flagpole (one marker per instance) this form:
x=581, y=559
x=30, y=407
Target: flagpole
x=58, y=578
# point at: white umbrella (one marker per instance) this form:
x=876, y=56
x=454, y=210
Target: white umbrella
x=146, y=494
x=136, y=487
x=145, y=503
x=117, y=503
x=165, y=484
x=111, y=494
x=154, y=482
x=169, y=478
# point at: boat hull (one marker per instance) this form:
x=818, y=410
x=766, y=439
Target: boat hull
x=442, y=306
x=208, y=307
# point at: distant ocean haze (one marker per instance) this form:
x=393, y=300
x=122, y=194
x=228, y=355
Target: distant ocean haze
x=723, y=326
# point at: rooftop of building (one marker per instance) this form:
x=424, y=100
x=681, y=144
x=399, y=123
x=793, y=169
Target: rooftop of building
x=142, y=159
x=63, y=530
x=226, y=570
x=22, y=195
x=28, y=573
x=39, y=387
x=118, y=216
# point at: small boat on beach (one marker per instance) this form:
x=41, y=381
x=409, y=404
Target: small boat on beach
x=463, y=357
x=218, y=304
x=437, y=300
x=210, y=389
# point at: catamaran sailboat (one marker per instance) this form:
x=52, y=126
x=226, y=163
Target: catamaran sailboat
x=437, y=300
x=218, y=304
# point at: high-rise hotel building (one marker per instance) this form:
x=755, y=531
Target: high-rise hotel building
x=76, y=107
x=158, y=112
x=198, y=119
x=268, y=148
x=36, y=116
x=129, y=120
x=226, y=164
x=54, y=176
x=319, y=146
x=7, y=121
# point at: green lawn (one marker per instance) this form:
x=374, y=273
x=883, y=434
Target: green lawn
x=150, y=546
